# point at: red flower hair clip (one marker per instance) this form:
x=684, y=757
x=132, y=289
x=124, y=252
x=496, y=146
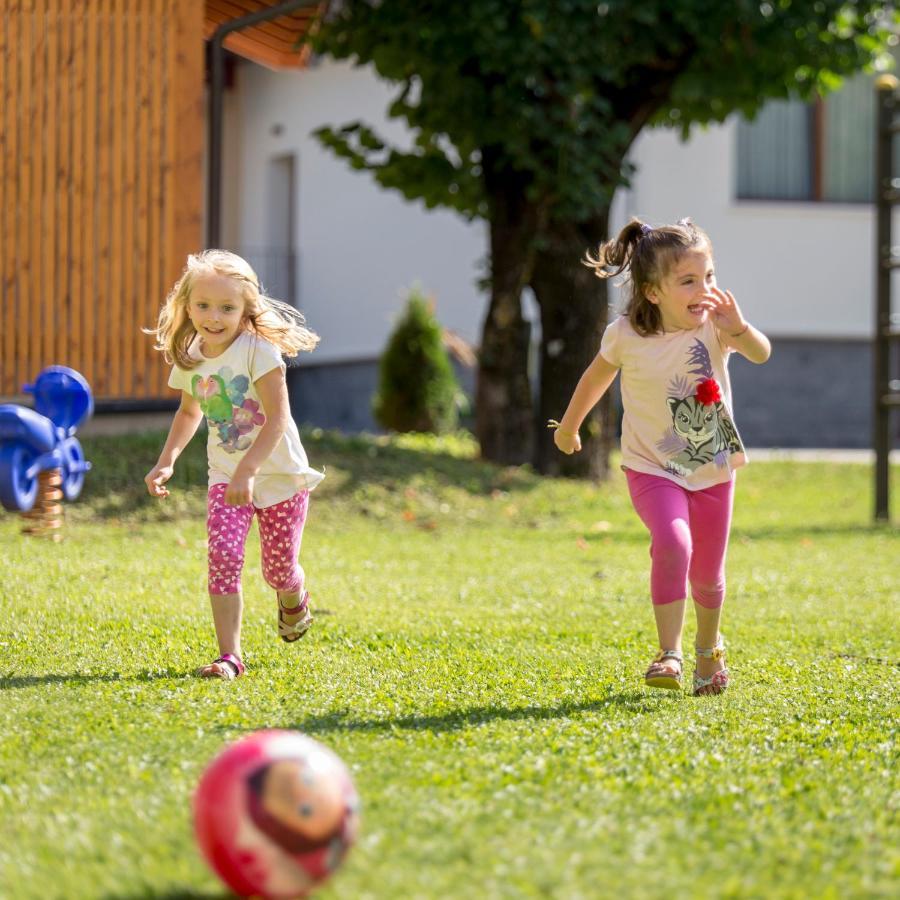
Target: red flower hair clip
x=708, y=392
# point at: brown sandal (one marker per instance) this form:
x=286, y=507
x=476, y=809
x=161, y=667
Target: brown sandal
x=230, y=667
x=661, y=675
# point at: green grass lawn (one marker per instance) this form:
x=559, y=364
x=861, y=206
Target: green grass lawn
x=476, y=660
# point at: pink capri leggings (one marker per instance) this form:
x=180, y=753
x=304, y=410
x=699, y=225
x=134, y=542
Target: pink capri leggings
x=688, y=537
x=280, y=532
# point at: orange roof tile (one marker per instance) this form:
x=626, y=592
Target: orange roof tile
x=276, y=43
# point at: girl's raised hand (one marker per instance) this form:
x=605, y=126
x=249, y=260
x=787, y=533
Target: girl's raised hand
x=725, y=311
x=156, y=480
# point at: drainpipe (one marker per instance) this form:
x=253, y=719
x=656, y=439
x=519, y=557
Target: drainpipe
x=216, y=91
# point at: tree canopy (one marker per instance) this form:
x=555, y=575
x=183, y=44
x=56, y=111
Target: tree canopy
x=522, y=112
x=558, y=89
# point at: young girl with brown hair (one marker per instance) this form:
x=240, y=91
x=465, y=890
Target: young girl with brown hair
x=680, y=446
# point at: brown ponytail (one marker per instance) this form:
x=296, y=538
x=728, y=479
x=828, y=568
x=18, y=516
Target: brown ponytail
x=645, y=254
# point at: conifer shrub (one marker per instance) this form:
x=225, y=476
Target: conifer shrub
x=417, y=387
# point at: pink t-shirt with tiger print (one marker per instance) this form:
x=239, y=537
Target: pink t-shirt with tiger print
x=678, y=420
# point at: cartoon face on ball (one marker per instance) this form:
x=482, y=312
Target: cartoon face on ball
x=299, y=808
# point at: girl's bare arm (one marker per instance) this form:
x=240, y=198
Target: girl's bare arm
x=592, y=385
x=184, y=426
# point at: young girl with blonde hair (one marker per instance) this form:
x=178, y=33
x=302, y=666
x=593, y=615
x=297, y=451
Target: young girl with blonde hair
x=680, y=447
x=225, y=338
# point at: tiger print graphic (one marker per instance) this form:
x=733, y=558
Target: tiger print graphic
x=706, y=430
x=702, y=431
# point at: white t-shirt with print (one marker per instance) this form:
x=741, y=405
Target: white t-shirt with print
x=676, y=395
x=225, y=388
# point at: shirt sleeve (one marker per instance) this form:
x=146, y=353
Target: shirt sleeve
x=178, y=379
x=263, y=358
x=610, y=344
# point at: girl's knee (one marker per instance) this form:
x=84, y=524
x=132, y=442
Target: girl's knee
x=225, y=565
x=223, y=579
x=709, y=595
x=671, y=553
x=285, y=585
x=671, y=550
x=287, y=579
x=671, y=557
x=225, y=554
x=672, y=536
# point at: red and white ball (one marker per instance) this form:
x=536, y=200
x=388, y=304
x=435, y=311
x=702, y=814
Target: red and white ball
x=275, y=813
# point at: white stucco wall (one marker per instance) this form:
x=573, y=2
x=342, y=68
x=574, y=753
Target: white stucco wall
x=798, y=269
x=360, y=247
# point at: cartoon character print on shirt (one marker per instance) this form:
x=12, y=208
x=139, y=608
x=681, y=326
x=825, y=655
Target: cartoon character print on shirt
x=702, y=431
x=212, y=395
x=222, y=398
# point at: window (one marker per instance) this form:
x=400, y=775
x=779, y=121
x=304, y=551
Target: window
x=282, y=227
x=276, y=261
x=822, y=150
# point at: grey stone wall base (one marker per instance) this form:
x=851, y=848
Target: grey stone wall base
x=810, y=394
x=336, y=396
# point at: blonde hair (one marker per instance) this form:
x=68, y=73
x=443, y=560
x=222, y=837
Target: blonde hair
x=271, y=319
x=646, y=254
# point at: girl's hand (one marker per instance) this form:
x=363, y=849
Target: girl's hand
x=566, y=441
x=240, y=489
x=726, y=313
x=156, y=480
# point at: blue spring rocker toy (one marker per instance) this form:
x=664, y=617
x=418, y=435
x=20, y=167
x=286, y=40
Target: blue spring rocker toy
x=35, y=440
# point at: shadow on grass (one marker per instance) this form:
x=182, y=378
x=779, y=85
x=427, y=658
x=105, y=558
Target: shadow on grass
x=868, y=660
x=171, y=895
x=793, y=533
x=635, y=701
x=367, y=458
x=13, y=682
x=799, y=531
x=115, y=486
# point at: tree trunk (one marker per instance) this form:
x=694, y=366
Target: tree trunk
x=573, y=304
x=504, y=413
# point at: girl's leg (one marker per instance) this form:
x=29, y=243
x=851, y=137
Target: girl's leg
x=226, y=529
x=227, y=612
x=669, y=623
x=707, y=635
x=280, y=534
x=663, y=507
x=710, y=527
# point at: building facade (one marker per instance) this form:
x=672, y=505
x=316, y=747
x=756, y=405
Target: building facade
x=798, y=252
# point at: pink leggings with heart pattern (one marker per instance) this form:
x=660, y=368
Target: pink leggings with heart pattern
x=280, y=533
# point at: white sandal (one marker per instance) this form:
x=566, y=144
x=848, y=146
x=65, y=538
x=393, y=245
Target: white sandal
x=296, y=630
x=717, y=683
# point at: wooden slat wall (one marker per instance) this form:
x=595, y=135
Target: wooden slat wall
x=101, y=138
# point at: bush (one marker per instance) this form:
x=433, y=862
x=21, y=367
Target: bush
x=417, y=388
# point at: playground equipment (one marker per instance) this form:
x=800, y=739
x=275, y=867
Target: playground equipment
x=41, y=460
